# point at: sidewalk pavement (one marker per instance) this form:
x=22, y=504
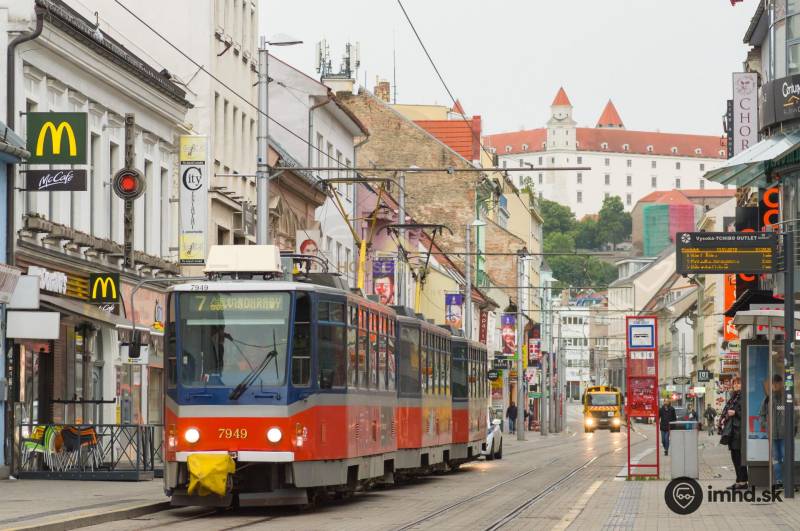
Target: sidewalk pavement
x=621, y=504
x=60, y=505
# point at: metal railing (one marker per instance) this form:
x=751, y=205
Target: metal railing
x=83, y=451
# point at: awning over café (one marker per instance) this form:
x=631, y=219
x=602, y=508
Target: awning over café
x=752, y=166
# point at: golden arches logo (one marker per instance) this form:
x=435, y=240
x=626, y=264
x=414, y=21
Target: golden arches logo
x=104, y=283
x=55, y=134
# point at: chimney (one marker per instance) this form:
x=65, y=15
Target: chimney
x=382, y=90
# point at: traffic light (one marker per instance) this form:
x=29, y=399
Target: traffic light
x=128, y=184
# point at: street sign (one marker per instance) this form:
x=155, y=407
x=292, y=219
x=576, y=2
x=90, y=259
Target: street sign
x=704, y=376
x=681, y=380
x=641, y=333
x=706, y=253
x=493, y=374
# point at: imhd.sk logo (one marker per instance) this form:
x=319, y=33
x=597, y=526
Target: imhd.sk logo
x=683, y=495
x=56, y=137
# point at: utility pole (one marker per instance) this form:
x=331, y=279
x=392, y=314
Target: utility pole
x=262, y=157
x=468, y=289
x=788, y=362
x=521, y=398
x=128, y=213
x=401, y=266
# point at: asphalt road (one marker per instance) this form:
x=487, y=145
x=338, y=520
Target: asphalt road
x=533, y=487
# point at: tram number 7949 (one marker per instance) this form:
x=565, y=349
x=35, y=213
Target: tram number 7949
x=231, y=433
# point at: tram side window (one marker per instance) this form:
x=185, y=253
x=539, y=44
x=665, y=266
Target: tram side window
x=447, y=364
x=332, y=346
x=409, y=361
x=352, y=331
x=373, y=350
x=301, y=342
x=382, y=354
x=459, y=374
x=426, y=364
x=390, y=357
x=363, y=342
x=171, y=346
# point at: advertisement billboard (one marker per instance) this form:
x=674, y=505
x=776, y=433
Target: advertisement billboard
x=383, y=280
x=508, y=334
x=193, y=199
x=453, y=303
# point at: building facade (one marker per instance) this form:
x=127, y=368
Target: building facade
x=76, y=373
x=621, y=162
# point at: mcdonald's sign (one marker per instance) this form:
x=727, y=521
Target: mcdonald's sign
x=104, y=287
x=57, y=137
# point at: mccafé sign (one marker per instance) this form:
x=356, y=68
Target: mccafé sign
x=56, y=137
x=55, y=180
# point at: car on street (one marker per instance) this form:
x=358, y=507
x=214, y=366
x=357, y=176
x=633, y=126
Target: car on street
x=493, y=447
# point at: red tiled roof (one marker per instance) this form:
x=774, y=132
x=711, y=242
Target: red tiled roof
x=457, y=108
x=610, y=117
x=561, y=98
x=615, y=140
x=462, y=137
x=684, y=196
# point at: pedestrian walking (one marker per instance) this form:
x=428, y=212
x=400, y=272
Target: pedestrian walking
x=666, y=414
x=511, y=414
x=777, y=431
x=710, y=415
x=731, y=431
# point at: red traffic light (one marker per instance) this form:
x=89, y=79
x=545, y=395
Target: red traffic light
x=128, y=184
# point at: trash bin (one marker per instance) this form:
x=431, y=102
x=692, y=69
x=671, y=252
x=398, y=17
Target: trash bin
x=683, y=449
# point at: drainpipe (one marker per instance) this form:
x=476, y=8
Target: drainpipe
x=11, y=72
x=6, y=414
x=311, y=110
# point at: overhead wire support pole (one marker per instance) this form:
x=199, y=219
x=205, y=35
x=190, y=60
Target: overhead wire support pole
x=788, y=364
x=521, y=395
x=262, y=157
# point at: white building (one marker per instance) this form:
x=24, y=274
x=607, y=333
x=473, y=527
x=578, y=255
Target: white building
x=222, y=36
x=320, y=132
x=62, y=237
x=573, y=339
x=629, y=164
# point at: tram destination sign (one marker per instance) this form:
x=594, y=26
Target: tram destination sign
x=726, y=252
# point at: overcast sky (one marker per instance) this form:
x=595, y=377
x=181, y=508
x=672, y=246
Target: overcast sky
x=666, y=64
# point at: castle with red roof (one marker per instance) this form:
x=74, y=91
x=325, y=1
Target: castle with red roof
x=626, y=163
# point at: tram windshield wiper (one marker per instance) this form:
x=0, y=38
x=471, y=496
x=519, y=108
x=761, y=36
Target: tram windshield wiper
x=256, y=372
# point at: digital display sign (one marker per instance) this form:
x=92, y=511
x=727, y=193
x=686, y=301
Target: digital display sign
x=706, y=253
x=242, y=302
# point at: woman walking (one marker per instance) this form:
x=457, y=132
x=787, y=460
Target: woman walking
x=731, y=430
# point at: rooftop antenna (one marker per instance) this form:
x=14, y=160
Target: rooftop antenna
x=323, y=59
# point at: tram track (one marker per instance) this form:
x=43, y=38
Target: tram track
x=511, y=515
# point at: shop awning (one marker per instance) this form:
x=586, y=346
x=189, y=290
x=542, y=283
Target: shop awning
x=751, y=167
x=81, y=309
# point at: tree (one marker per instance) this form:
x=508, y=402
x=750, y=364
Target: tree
x=586, y=234
x=557, y=217
x=614, y=223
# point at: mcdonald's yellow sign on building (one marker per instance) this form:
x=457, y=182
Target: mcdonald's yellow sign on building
x=104, y=288
x=56, y=137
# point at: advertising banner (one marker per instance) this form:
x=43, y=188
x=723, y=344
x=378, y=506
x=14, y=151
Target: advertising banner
x=508, y=334
x=484, y=323
x=193, y=199
x=454, y=309
x=757, y=380
x=308, y=242
x=383, y=280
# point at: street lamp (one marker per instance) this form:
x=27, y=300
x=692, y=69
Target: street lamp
x=262, y=157
x=468, y=274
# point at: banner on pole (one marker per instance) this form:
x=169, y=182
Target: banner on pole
x=454, y=309
x=383, y=279
x=193, y=199
x=508, y=334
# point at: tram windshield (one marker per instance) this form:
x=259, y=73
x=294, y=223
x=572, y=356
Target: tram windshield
x=226, y=337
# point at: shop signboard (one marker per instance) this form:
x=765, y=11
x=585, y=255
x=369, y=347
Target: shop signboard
x=704, y=376
x=104, y=288
x=9, y=276
x=57, y=180
x=704, y=253
x=745, y=111
x=21, y=324
x=56, y=137
x=143, y=359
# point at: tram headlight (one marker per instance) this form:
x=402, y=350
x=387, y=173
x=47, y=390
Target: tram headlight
x=274, y=435
x=192, y=435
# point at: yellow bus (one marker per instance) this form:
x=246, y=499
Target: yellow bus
x=602, y=408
